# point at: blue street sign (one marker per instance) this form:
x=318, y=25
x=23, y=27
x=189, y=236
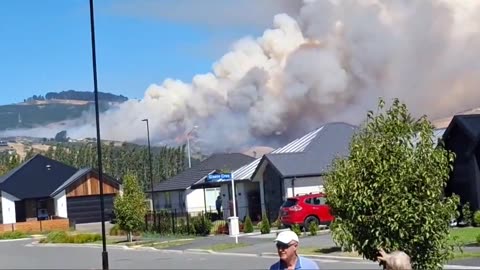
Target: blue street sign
x=219, y=177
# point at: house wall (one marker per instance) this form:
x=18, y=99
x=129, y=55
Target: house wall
x=90, y=185
x=60, y=204
x=259, y=179
x=8, y=208
x=274, y=192
x=465, y=178
x=302, y=186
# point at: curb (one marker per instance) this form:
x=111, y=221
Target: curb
x=38, y=244
x=14, y=240
x=270, y=254
x=320, y=232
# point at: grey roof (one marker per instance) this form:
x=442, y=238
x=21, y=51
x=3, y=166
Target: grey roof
x=299, y=145
x=469, y=123
x=37, y=177
x=330, y=142
x=187, y=178
x=80, y=173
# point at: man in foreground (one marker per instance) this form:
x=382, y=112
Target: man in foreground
x=287, y=245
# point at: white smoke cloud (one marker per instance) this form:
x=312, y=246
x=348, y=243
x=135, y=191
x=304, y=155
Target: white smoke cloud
x=329, y=63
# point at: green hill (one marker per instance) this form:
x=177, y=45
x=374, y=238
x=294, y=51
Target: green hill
x=38, y=110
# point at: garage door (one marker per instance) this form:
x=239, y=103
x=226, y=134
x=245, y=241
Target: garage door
x=86, y=209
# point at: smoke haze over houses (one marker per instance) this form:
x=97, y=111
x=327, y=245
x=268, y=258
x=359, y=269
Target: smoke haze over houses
x=320, y=61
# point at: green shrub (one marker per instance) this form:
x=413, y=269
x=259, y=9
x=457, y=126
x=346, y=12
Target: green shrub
x=63, y=237
x=476, y=218
x=182, y=227
x=265, y=225
x=313, y=227
x=164, y=221
x=248, y=227
x=57, y=237
x=12, y=235
x=202, y=225
x=277, y=224
x=467, y=214
x=296, y=229
x=115, y=230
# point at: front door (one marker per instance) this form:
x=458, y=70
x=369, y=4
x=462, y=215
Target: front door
x=20, y=211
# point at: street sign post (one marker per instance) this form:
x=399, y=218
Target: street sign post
x=224, y=177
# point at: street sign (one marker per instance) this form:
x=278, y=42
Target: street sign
x=219, y=177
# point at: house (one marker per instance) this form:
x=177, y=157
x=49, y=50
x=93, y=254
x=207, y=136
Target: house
x=43, y=188
x=462, y=136
x=188, y=191
x=296, y=168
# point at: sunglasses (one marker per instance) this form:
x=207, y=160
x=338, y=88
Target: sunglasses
x=283, y=246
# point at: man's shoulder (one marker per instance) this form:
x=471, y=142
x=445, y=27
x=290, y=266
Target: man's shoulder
x=275, y=266
x=307, y=263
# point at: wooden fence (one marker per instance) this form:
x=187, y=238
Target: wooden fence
x=37, y=226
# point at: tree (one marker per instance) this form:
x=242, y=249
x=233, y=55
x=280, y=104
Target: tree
x=389, y=191
x=130, y=208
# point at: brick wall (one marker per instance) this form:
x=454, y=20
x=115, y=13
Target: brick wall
x=37, y=226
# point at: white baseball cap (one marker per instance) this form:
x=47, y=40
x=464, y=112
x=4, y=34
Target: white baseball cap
x=287, y=237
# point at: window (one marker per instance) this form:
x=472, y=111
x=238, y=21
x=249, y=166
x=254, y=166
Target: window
x=309, y=201
x=289, y=203
x=319, y=201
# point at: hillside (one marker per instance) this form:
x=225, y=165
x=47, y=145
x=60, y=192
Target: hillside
x=38, y=110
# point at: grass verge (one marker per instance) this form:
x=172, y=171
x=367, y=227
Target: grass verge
x=13, y=235
x=337, y=252
x=64, y=237
x=226, y=246
x=169, y=244
x=326, y=251
x=464, y=236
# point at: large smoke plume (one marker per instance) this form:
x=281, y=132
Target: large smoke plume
x=330, y=62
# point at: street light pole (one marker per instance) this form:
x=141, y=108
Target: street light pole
x=99, y=144
x=188, y=152
x=151, y=170
x=188, y=146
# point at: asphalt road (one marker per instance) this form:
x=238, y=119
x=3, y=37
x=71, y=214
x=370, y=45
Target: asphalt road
x=21, y=254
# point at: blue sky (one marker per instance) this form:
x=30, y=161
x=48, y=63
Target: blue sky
x=45, y=46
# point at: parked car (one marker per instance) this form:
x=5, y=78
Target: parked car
x=305, y=209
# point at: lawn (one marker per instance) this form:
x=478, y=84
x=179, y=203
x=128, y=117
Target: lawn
x=465, y=236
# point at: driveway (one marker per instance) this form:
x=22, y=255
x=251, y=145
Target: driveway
x=95, y=227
